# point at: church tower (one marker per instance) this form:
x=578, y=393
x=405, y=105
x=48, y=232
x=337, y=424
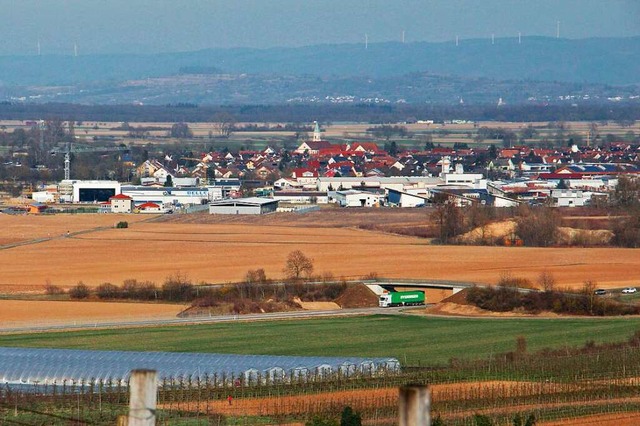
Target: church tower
x=317, y=135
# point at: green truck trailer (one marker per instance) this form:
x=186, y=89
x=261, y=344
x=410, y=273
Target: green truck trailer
x=402, y=298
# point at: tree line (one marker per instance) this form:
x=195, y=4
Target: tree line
x=306, y=113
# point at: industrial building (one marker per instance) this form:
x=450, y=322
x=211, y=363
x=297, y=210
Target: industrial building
x=88, y=191
x=353, y=198
x=251, y=205
x=167, y=196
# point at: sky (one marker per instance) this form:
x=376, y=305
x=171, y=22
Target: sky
x=137, y=26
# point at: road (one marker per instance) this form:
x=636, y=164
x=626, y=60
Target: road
x=202, y=320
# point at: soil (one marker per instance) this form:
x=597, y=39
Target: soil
x=459, y=298
x=14, y=313
x=357, y=296
x=488, y=234
x=24, y=227
x=455, y=309
x=497, y=231
x=317, y=306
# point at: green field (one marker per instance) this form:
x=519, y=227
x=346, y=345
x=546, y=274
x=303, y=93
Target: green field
x=411, y=339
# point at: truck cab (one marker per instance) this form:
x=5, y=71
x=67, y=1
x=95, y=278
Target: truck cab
x=385, y=300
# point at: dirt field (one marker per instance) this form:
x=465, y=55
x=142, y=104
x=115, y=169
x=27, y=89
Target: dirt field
x=14, y=313
x=223, y=252
x=17, y=228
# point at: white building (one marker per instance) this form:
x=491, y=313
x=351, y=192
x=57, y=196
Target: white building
x=301, y=197
x=251, y=205
x=44, y=196
x=352, y=198
x=167, y=196
x=472, y=180
x=88, y=191
x=570, y=198
x=121, y=204
x=397, y=182
x=408, y=198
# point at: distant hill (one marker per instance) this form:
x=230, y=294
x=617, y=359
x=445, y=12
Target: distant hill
x=609, y=61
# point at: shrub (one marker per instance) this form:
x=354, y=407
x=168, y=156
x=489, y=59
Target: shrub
x=538, y=226
x=52, y=290
x=350, y=417
x=132, y=289
x=503, y=299
x=108, y=291
x=122, y=224
x=80, y=291
x=177, y=288
x=627, y=231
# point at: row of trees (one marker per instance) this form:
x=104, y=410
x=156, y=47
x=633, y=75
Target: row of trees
x=179, y=288
x=507, y=296
x=625, y=113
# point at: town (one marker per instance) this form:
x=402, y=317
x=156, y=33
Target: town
x=319, y=172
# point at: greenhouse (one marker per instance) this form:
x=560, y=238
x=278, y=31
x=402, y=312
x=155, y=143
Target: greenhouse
x=26, y=366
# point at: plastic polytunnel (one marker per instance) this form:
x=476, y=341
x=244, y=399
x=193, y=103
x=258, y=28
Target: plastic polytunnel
x=24, y=366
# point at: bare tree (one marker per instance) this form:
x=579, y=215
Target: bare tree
x=538, y=226
x=224, y=124
x=448, y=217
x=546, y=280
x=298, y=265
x=588, y=289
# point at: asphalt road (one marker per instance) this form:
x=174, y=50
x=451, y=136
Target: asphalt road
x=202, y=320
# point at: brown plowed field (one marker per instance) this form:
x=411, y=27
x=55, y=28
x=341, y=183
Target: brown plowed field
x=223, y=252
x=15, y=313
x=20, y=228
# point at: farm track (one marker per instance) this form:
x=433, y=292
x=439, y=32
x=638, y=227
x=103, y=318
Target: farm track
x=43, y=240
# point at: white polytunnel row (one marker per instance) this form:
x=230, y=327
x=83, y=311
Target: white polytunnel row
x=27, y=366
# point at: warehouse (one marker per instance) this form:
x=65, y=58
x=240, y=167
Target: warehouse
x=251, y=205
x=166, y=196
x=352, y=198
x=88, y=191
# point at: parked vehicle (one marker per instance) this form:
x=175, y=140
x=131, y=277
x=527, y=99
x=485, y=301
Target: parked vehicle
x=600, y=292
x=629, y=290
x=402, y=298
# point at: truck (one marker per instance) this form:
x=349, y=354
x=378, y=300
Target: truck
x=402, y=298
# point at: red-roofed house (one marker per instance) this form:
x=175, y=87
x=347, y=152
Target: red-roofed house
x=312, y=147
x=369, y=147
x=305, y=176
x=121, y=203
x=150, y=207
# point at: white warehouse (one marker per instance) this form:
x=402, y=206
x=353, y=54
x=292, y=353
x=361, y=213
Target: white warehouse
x=88, y=191
x=251, y=205
x=167, y=196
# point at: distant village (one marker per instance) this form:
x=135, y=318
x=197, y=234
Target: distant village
x=356, y=174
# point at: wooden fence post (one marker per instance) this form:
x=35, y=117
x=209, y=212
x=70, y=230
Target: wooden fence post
x=143, y=389
x=415, y=406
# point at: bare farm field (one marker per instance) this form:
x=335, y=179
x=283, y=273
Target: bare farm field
x=16, y=313
x=21, y=228
x=218, y=250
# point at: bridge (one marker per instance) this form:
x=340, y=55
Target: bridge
x=435, y=290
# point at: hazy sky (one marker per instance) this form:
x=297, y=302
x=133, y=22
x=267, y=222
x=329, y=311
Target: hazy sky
x=99, y=26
